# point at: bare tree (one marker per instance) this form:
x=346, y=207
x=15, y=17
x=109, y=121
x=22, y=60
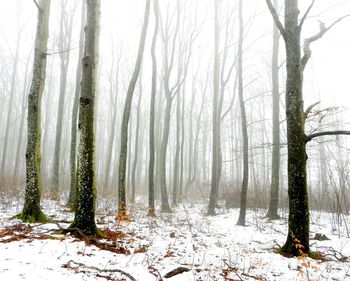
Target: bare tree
x=272, y=212
x=243, y=207
x=64, y=44
x=31, y=209
x=84, y=218
x=73, y=146
x=297, y=241
x=126, y=116
x=151, y=211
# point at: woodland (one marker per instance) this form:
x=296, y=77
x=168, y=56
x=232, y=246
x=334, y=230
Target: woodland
x=174, y=139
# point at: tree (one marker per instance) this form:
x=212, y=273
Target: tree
x=84, y=218
x=272, y=212
x=126, y=116
x=64, y=43
x=31, y=209
x=73, y=146
x=216, y=158
x=220, y=80
x=297, y=241
x=151, y=211
x=243, y=207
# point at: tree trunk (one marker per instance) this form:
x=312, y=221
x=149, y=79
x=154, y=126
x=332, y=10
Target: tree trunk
x=151, y=209
x=64, y=45
x=136, y=144
x=243, y=207
x=126, y=116
x=73, y=147
x=85, y=212
x=31, y=210
x=272, y=212
x=215, y=176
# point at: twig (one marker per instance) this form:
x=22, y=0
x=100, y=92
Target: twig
x=67, y=265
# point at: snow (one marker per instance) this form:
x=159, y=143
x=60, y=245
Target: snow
x=213, y=248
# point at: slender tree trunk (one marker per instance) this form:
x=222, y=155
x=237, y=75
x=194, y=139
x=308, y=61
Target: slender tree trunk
x=165, y=207
x=126, y=116
x=215, y=176
x=86, y=187
x=73, y=147
x=272, y=212
x=112, y=133
x=177, y=151
x=31, y=209
x=64, y=45
x=136, y=144
x=243, y=208
x=151, y=209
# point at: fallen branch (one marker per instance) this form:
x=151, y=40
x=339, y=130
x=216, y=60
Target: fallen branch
x=78, y=264
x=176, y=271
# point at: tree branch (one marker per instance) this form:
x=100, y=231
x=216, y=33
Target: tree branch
x=326, y=133
x=308, y=110
x=308, y=41
x=306, y=14
x=36, y=4
x=276, y=19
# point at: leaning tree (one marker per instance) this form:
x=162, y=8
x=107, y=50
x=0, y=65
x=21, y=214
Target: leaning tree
x=297, y=242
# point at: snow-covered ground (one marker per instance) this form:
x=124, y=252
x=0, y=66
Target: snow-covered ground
x=212, y=248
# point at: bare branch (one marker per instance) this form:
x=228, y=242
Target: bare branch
x=276, y=19
x=327, y=133
x=36, y=4
x=306, y=14
x=308, y=110
x=308, y=41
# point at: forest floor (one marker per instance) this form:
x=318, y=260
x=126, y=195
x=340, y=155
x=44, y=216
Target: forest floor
x=143, y=248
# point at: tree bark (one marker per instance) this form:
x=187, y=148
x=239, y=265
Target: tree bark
x=151, y=209
x=126, y=116
x=244, y=190
x=84, y=218
x=272, y=212
x=73, y=147
x=215, y=176
x=31, y=210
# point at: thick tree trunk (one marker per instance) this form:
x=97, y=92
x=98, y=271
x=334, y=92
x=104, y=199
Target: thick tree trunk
x=85, y=212
x=244, y=190
x=73, y=147
x=126, y=117
x=298, y=221
x=31, y=210
x=272, y=212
